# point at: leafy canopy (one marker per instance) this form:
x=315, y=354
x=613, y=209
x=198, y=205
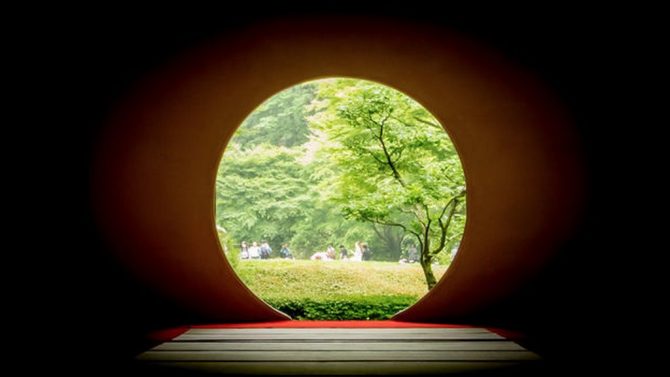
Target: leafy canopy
x=337, y=161
x=396, y=164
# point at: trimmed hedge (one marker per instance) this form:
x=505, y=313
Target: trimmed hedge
x=335, y=290
x=345, y=308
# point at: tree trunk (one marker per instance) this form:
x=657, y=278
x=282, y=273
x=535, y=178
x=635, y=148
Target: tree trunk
x=428, y=273
x=426, y=264
x=394, y=237
x=391, y=237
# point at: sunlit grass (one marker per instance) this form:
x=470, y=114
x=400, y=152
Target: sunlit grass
x=296, y=279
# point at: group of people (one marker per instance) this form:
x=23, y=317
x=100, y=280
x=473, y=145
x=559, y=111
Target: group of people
x=361, y=252
x=264, y=251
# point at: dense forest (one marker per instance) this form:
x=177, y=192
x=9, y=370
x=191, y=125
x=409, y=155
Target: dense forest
x=336, y=161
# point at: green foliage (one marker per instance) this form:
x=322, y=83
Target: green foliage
x=337, y=161
x=278, y=121
x=325, y=226
x=397, y=167
x=261, y=193
x=335, y=290
x=344, y=308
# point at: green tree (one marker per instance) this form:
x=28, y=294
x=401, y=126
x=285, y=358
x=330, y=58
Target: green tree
x=336, y=147
x=261, y=193
x=279, y=121
x=390, y=240
x=323, y=226
x=397, y=166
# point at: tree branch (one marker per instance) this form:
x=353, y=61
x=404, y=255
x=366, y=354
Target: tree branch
x=389, y=160
x=403, y=122
x=418, y=237
x=428, y=123
x=379, y=234
x=444, y=225
x=388, y=223
x=397, y=151
x=425, y=257
x=383, y=121
x=446, y=206
x=414, y=213
x=374, y=156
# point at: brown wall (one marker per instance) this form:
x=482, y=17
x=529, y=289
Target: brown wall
x=120, y=97
x=157, y=158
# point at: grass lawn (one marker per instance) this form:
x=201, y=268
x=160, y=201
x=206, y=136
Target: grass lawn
x=333, y=290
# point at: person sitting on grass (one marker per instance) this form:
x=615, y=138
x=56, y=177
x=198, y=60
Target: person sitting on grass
x=344, y=254
x=285, y=253
x=254, y=251
x=330, y=251
x=320, y=255
x=366, y=252
x=265, y=250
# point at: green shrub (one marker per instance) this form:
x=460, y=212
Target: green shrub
x=344, y=308
x=335, y=290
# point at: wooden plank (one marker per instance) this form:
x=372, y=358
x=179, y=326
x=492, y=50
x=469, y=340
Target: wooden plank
x=340, y=368
x=456, y=345
x=285, y=356
x=339, y=336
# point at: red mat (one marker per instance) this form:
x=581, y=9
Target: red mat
x=325, y=324
x=168, y=334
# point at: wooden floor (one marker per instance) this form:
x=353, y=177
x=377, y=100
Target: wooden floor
x=341, y=351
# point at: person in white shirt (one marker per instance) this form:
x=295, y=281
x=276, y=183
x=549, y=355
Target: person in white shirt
x=254, y=251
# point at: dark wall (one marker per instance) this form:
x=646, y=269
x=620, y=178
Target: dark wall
x=82, y=65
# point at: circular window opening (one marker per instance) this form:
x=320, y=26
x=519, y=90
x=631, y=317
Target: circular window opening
x=340, y=199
